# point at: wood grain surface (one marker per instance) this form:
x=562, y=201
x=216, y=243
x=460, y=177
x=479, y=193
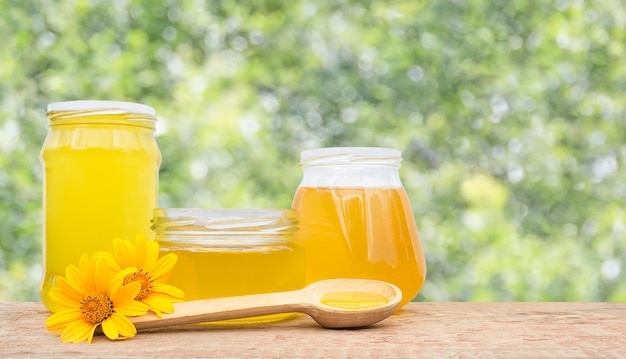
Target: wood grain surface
x=428, y=330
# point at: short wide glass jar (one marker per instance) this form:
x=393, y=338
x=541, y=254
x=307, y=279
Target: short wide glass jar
x=231, y=252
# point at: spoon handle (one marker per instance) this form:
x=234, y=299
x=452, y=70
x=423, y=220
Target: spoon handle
x=207, y=310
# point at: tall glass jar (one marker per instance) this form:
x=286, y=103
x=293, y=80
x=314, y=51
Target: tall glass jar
x=356, y=220
x=231, y=252
x=101, y=167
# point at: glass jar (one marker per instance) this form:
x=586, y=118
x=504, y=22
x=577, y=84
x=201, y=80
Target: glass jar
x=231, y=252
x=101, y=167
x=356, y=220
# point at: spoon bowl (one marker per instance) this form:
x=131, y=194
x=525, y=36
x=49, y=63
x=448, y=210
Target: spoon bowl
x=366, y=310
x=332, y=303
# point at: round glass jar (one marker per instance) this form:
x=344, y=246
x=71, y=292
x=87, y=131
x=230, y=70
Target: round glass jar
x=231, y=252
x=355, y=218
x=101, y=171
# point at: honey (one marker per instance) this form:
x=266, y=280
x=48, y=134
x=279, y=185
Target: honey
x=231, y=252
x=354, y=300
x=101, y=165
x=207, y=273
x=356, y=220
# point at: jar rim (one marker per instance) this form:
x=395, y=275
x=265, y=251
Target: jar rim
x=102, y=107
x=223, y=227
x=224, y=220
x=350, y=155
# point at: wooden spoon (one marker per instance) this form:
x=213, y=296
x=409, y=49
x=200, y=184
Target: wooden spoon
x=308, y=300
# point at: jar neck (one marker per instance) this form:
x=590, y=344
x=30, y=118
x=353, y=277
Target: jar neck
x=226, y=228
x=353, y=167
x=100, y=117
x=351, y=176
x=200, y=241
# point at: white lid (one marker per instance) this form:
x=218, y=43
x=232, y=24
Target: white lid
x=102, y=107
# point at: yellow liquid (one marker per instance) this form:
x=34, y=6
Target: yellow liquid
x=100, y=183
x=354, y=300
x=360, y=233
x=207, y=274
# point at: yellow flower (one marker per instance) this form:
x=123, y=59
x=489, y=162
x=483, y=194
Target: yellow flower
x=152, y=272
x=94, y=295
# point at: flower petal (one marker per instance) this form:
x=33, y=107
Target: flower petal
x=57, y=322
x=117, y=283
x=132, y=309
x=77, y=279
x=140, y=249
x=125, y=294
x=159, y=303
x=90, y=338
x=86, y=271
x=167, y=289
x=163, y=266
x=109, y=259
x=110, y=329
x=72, y=289
x=64, y=297
x=77, y=332
x=124, y=326
x=151, y=255
x=103, y=274
x=124, y=253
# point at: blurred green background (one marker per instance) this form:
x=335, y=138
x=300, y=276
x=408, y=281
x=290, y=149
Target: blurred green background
x=510, y=116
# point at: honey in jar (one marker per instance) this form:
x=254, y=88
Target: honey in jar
x=356, y=219
x=101, y=164
x=231, y=252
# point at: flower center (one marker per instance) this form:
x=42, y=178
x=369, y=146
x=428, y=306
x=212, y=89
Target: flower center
x=96, y=307
x=145, y=281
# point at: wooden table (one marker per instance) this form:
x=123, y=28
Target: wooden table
x=432, y=330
